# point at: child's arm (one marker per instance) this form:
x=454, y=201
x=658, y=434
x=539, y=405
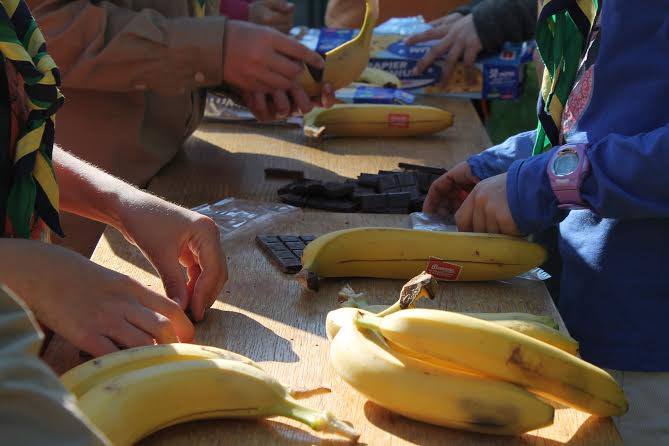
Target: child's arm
x=627, y=180
x=499, y=158
x=184, y=237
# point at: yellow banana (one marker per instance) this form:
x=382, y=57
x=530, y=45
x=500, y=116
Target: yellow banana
x=542, y=333
x=336, y=319
x=344, y=63
x=434, y=395
x=376, y=120
x=496, y=351
x=132, y=405
x=395, y=253
x=349, y=298
x=82, y=378
x=379, y=78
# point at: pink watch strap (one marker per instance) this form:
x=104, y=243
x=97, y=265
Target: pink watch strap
x=567, y=188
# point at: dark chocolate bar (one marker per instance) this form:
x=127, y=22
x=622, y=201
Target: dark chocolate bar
x=285, y=251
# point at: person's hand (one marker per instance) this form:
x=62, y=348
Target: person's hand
x=281, y=104
x=486, y=209
x=447, y=192
x=92, y=307
x=446, y=20
x=173, y=239
x=456, y=36
x=275, y=13
x=259, y=58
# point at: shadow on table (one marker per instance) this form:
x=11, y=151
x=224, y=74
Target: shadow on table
x=589, y=433
x=244, y=335
x=237, y=432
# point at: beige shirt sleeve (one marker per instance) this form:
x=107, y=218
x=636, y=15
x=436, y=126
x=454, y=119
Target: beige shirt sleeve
x=119, y=47
x=35, y=409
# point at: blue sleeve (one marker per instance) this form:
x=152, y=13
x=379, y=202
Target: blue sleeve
x=497, y=159
x=627, y=180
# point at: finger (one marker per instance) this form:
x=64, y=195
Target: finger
x=98, y=346
x=328, y=98
x=437, y=194
x=281, y=104
x=470, y=55
x=479, y=217
x=452, y=58
x=260, y=109
x=463, y=217
x=430, y=34
x=155, y=324
x=295, y=50
x=130, y=336
x=432, y=55
x=491, y=225
x=301, y=99
x=274, y=80
x=182, y=326
x=214, y=272
x=174, y=280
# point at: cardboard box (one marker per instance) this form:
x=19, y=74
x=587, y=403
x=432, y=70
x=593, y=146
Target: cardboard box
x=494, y=76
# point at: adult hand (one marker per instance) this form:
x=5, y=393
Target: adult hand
x=486, y=209
x=449, y=190
x=258, y=58
x=274, y=13
x=281, y=104
x=94, y=308
x=457, y=37
x=173, y=238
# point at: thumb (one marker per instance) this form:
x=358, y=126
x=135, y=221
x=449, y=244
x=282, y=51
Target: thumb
x=174, y=281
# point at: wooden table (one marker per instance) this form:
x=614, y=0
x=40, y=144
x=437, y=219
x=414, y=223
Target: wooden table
x=266, y=315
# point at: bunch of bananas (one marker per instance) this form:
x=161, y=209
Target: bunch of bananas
x=118, y=392
x=477, y=372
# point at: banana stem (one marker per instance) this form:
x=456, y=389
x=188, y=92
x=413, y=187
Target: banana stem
x=397, y=306
x=319, y=421
x=368, y=321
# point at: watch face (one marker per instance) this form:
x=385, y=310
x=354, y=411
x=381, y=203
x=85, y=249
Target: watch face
x=565, y=163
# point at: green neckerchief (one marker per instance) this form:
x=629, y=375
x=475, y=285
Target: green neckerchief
x=563, y=28
x=33, y=192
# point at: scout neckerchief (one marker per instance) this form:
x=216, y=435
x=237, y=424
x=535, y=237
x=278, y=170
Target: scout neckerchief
x=198, y=7
x=562, y=33
x=33, y=193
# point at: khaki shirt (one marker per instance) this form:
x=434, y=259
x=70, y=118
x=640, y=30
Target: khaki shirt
x=35, y=409
x=133, y=73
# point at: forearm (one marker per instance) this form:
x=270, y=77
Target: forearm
x=627, y=180
x=90, y=192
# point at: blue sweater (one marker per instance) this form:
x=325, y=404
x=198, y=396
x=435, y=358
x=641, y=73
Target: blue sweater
x=615, y=282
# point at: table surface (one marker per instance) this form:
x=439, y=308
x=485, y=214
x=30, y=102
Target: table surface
x=268, y=317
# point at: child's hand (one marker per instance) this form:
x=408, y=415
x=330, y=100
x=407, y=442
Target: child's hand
x=182, y=245
x=92, y=307
x=262, y=59
x=449, y=190
x=486, y=209
x=275, y=13
x=457, y=37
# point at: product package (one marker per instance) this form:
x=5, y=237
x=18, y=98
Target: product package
x=237, y=218
x=495, y=75
x=363, y=94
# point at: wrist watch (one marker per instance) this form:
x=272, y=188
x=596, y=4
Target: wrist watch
x=566, y=169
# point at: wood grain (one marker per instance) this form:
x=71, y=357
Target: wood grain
x=268, y=317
